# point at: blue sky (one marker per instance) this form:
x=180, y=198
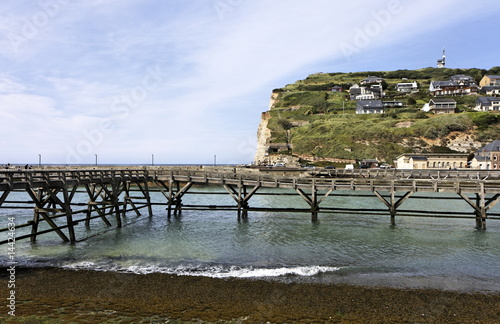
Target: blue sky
x=185, y=80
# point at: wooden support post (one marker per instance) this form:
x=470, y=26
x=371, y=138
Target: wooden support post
x=115, y=204
x=170, y=194
x=481, y=207
x=177, y=199
x=4, y=196
x=240, y=195
x=90, y=191
x=39, y=209
x=93, y=203
x=312, y=201
x=392, y=208
x=393, y=204
x=243, y=203
x=314, y=205
x=36, y=217
x=147, y=195
x=69, y=214
x=481, y=211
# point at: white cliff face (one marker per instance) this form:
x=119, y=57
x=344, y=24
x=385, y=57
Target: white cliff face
x=262, y=156
x=263, y=135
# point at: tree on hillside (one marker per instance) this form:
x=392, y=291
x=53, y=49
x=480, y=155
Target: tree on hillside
x=494, y=70
x=411, y=101
x=286, y=125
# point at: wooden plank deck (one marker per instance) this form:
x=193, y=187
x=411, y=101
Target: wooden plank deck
x=113, y=192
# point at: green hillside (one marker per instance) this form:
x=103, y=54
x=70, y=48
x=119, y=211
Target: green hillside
x=314, y=121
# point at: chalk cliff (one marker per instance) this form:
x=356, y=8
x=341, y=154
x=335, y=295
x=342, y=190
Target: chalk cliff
x=263, y=136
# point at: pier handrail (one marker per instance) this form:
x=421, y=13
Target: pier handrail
x=393, y=179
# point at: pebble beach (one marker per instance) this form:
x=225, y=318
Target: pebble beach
x=54, y=295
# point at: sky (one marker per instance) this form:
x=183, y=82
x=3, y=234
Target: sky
x=186, y=81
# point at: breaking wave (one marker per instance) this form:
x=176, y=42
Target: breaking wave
x=215, y=271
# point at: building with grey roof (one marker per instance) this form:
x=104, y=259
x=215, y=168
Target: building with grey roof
x=487, y=157
x=490, y=80
x=487, y=104
x=370, y=107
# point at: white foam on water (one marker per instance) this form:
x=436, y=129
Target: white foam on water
x=211, y=271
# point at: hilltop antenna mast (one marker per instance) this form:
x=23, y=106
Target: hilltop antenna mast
x=442, y=61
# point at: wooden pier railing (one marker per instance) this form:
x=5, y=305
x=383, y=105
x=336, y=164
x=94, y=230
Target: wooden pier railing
x=113, y=192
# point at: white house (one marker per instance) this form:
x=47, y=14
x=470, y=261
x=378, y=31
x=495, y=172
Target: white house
x=431, y=161
x=365, y=93
x=458, y=85
x=440, y=106
x=369, y=107
x=487, y=104
x=372, y=80
x=407, y=87
x=490, y=90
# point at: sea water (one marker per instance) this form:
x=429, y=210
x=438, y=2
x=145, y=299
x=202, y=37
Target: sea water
x=361, y=249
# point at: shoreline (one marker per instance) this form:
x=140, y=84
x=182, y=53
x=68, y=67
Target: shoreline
x=85, y=296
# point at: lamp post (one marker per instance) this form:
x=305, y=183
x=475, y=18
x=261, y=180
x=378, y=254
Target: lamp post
x=152, y=159
x=96, y=160
x=215, y=160
x=39, y=160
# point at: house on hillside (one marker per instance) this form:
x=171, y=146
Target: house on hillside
x=336, y=89
x=487, y=104
x=463, y=79
x=441, y=106
x=369, y=107
x=490, y=80
x=452, y=88
x=372, y=80
x=490, y=90
x=431, y=161
x=407, y=87
x=488, y=157
x=365, y=93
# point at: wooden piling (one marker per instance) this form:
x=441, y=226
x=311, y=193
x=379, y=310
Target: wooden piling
x=52, y=193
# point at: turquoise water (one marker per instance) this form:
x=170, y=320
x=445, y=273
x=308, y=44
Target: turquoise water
x=341, y=248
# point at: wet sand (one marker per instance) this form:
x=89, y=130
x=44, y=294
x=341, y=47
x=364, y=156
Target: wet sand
x=64, y=296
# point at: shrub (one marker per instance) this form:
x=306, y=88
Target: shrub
x=483, y=120
x=431, y=133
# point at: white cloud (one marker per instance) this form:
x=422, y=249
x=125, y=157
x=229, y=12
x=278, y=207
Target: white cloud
x=219, y=61
x=10, y=85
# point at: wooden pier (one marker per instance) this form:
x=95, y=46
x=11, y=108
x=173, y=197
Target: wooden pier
x=113, y=192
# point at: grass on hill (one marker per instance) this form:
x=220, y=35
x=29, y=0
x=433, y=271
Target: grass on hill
x=322, y=123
